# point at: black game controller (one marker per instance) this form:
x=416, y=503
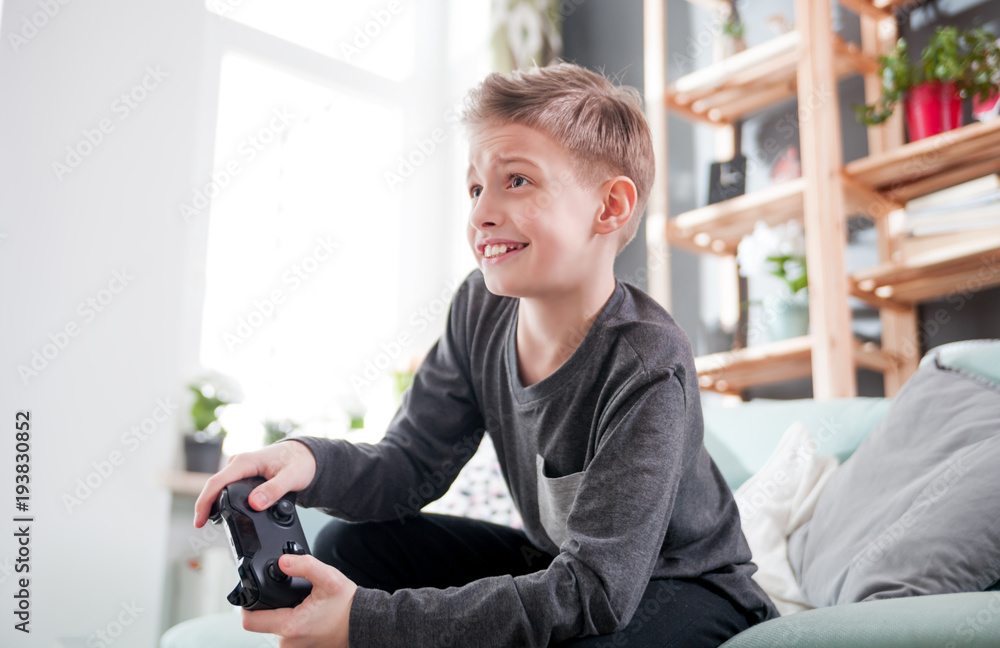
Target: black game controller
x=258, y=539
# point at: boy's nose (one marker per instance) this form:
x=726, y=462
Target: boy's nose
x=485, y=214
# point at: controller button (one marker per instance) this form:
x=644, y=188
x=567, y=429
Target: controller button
x=292, y=547
x=283, y=512
x=275, y=572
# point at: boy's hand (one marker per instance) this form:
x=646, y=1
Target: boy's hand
x=287, y=466
x=321, y=619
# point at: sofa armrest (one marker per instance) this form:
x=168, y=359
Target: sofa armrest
x=939, y=620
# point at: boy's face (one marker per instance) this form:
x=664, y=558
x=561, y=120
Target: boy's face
x=525, y=194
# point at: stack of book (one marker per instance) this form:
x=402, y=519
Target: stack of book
x=965, y=207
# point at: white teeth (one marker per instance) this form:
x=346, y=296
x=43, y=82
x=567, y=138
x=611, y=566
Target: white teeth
x=491, y=251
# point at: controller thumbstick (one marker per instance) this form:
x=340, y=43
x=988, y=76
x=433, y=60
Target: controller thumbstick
x=283, y=512
x=275, y=572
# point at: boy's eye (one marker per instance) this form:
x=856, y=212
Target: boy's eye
x=518, y=181
x=475, y=191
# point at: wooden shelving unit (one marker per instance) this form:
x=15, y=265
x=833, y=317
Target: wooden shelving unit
x=753, y=79
x=928, y=165
x=731, y=372
x=806, y=63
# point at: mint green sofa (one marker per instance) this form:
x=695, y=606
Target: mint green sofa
x=741, y=440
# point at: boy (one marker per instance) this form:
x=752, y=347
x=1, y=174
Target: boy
x=589, y=393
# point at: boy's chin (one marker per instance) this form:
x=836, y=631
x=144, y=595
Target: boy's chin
x=501, y=288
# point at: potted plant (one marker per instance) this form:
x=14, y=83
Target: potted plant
x=779, y=252
x=275, y=431
x=203, y=445
x=955, y=64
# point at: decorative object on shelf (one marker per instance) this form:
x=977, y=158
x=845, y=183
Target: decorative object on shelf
x=527, y=34
x=778, y=251
x=955, y=64
x=203, y=446
x=778, y=24
x=733, y=31
x=787, y=166
x=729, y=179
x=988, y=108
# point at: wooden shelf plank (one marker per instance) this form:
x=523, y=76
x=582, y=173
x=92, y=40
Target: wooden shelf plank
x=733, y=371
x=753, y=79
x=967, y=266
x=927, y=165
x=184, y=483
x=719, y=228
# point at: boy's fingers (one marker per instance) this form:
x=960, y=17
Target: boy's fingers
x=273, y=621
x=271, y=491
x=310, y=568
x=210, y=492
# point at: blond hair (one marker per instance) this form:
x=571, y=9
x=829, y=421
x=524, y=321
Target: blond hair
x=601, y=124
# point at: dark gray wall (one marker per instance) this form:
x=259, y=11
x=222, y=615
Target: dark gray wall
x=607, y=37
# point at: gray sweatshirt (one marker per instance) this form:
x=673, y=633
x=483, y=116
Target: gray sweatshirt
x=604, y=460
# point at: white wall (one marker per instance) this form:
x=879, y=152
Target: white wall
x=63, y=241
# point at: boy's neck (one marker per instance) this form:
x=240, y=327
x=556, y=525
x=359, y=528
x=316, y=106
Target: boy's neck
x=550, y=329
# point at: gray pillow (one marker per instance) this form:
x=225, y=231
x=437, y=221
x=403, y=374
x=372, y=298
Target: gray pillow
x=916, y=509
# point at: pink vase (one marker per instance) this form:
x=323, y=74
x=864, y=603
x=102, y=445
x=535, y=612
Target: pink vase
x=932, y=108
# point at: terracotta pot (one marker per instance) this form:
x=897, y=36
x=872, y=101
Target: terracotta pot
x=932, y=108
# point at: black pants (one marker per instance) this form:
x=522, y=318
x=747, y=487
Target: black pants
x=443, y=551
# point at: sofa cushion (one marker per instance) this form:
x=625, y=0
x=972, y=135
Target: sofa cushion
x=914, y=510
x=977, y=357
x=741, y=439
x=775, y=502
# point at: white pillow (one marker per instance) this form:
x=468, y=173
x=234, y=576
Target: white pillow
x=774, y=503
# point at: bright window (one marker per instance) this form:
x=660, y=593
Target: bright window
x=314, y=265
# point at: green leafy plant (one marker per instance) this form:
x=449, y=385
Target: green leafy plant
x=210, y=398
x=968, y=58
x=275, y=431
x=778, y=251
x=733, y=27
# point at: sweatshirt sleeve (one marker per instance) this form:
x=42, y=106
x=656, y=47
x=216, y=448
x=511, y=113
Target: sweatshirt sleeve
x=615, y=531
x=434, y=433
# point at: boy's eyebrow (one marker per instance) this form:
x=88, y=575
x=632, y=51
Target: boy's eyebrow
x=516, y=158
x=499, y=159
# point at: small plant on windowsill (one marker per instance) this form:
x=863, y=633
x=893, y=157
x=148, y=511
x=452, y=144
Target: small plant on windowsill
x=275, y=431
x=203, y=444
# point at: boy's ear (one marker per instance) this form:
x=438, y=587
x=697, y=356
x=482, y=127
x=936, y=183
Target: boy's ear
x=619, y=197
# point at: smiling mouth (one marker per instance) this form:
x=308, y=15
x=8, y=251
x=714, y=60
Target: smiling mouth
x=502, y=249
